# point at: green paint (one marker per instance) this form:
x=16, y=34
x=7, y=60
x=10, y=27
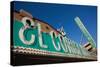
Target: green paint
x=70, y=46
x=85, y=32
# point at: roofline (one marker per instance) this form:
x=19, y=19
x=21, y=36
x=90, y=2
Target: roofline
x=40, y=21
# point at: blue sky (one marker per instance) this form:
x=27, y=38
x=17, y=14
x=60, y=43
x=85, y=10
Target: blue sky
x=59, y=15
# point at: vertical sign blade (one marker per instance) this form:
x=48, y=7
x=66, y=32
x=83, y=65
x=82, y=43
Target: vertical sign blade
x=85, y=31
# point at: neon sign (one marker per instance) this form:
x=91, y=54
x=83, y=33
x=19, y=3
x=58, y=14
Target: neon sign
x=29, y=37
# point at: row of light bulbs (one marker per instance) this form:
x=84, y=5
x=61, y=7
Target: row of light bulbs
x=46, y=53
